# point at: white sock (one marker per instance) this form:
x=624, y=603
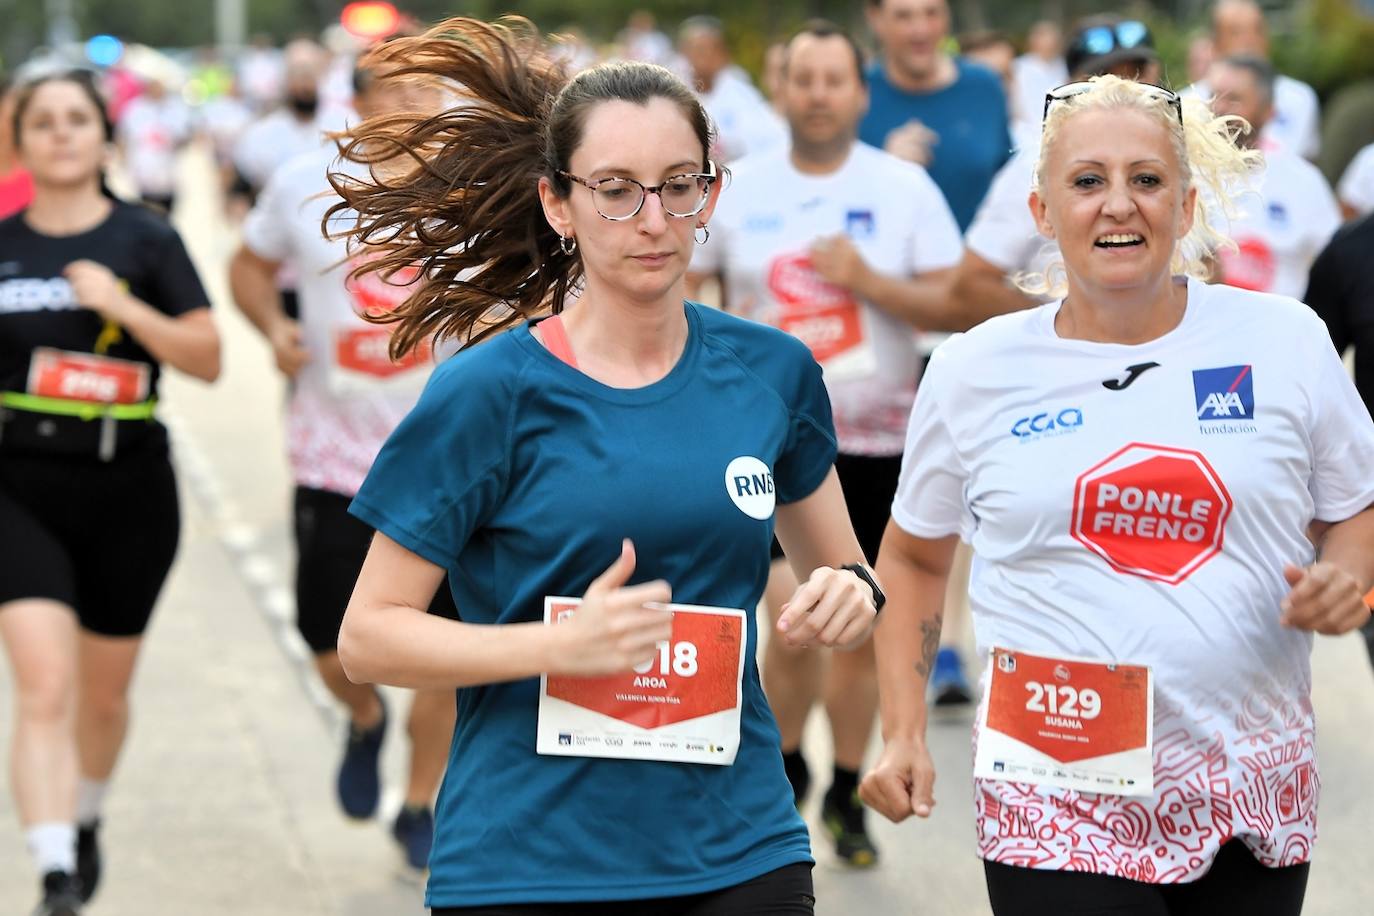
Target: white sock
x=90, y=798
x=53, y=846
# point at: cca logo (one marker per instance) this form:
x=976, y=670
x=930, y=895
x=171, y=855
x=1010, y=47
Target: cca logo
x=1067, y=419
x=750, y=486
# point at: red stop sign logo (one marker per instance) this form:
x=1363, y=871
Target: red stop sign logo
x=1152, y=511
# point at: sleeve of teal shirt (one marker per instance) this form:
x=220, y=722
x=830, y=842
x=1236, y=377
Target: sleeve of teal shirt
x=810, y=451
x=443, y=470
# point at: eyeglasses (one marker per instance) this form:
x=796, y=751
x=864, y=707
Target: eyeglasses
x=1069, y=90
x=622, y=198
x=1097, y=40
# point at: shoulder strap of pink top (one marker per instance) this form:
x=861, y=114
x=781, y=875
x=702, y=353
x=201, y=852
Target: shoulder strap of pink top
x=556, y=339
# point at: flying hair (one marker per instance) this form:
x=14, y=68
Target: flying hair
x=1209, y=157
x=462, y=207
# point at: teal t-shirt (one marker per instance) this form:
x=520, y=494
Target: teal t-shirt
x=520, y=476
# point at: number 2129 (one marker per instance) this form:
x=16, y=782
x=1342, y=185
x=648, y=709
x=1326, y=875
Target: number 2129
x=1063, y=700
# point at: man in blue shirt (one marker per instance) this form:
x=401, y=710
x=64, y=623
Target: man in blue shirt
x=943, y=112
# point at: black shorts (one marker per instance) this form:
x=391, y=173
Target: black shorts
x=1236, y=883
x=784, y=892
x=97, y=536
x=330, y=548
x=869, y=484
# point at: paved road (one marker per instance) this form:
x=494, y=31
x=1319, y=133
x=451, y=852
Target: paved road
x=223, y=803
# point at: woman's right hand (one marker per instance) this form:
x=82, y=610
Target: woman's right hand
x=612, y=630
x=902, y=783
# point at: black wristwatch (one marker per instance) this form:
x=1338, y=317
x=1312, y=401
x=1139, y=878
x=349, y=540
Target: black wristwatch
x=879, y=599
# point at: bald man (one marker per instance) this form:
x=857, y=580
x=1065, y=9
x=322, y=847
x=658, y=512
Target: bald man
x=1239, y=29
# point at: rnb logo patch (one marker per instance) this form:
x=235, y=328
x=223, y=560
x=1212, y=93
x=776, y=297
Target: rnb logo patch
x=1225, y=393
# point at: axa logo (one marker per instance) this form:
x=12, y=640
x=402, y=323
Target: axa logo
x=749, y=484
x=1225, y=393
x=1048, y=423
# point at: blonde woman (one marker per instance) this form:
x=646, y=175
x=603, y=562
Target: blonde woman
x=1139, y=467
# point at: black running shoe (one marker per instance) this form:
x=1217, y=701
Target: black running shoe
x=61, y=895
x=844, y=821
x=360, y=782
x=88, y=859
x=414, y=830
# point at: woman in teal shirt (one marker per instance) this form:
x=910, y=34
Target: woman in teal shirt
x=635, y=450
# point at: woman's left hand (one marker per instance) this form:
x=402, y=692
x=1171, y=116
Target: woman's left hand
x=832, y=608
x=95, y=287
x=1323, y=598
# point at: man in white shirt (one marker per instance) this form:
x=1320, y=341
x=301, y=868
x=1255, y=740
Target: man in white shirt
x=1289, y=214
x=850, y=249
x=1239, y=28
x=152, y=129
x=296, y=127
x=1038, y=71
x=745, y=122
x=346, y=398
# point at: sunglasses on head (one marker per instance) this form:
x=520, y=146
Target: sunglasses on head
x=1069, y=90
x=1104, y=39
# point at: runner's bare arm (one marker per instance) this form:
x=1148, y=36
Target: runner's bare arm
x=1328, y=596
x=253, y=282
x=187, y=342
x=915, y=572
x=980, y=291
x=387, y=637
x=832, y=606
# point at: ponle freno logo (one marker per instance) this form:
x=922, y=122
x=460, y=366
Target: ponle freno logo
x=750, y=485
x=1152, y=511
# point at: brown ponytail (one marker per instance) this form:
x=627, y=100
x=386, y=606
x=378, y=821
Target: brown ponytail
x=466, y=212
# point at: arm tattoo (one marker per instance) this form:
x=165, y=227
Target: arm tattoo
x=930, y=645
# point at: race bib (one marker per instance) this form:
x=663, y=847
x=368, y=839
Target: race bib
x=682, y=705
x=1251, y=265
x=87, y=377
x=825, y=317
x=361, y=361
x=1067, y=722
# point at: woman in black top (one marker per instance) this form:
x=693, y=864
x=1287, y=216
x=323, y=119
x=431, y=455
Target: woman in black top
x=94, y=295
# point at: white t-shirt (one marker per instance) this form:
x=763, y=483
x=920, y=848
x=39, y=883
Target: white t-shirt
x=1032, y=79
x=745, y=123
x=1296, y=124
x=1003, y=232
x=150, y=133
x=338, y=419
x=896, y=217
x=224, y=119
x=279, y=137
x=1284, y=223
x=1357, y=184
x=1249, y=428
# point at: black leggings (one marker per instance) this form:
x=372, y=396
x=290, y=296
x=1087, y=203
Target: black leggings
x=784, y=892
x=1236, y=883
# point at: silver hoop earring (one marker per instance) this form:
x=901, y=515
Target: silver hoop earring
x=567, y=244
x=701, y=239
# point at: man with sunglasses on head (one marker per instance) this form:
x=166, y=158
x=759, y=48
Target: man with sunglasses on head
x=1002, y=241
x=847, y=248
x=1239, y=28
